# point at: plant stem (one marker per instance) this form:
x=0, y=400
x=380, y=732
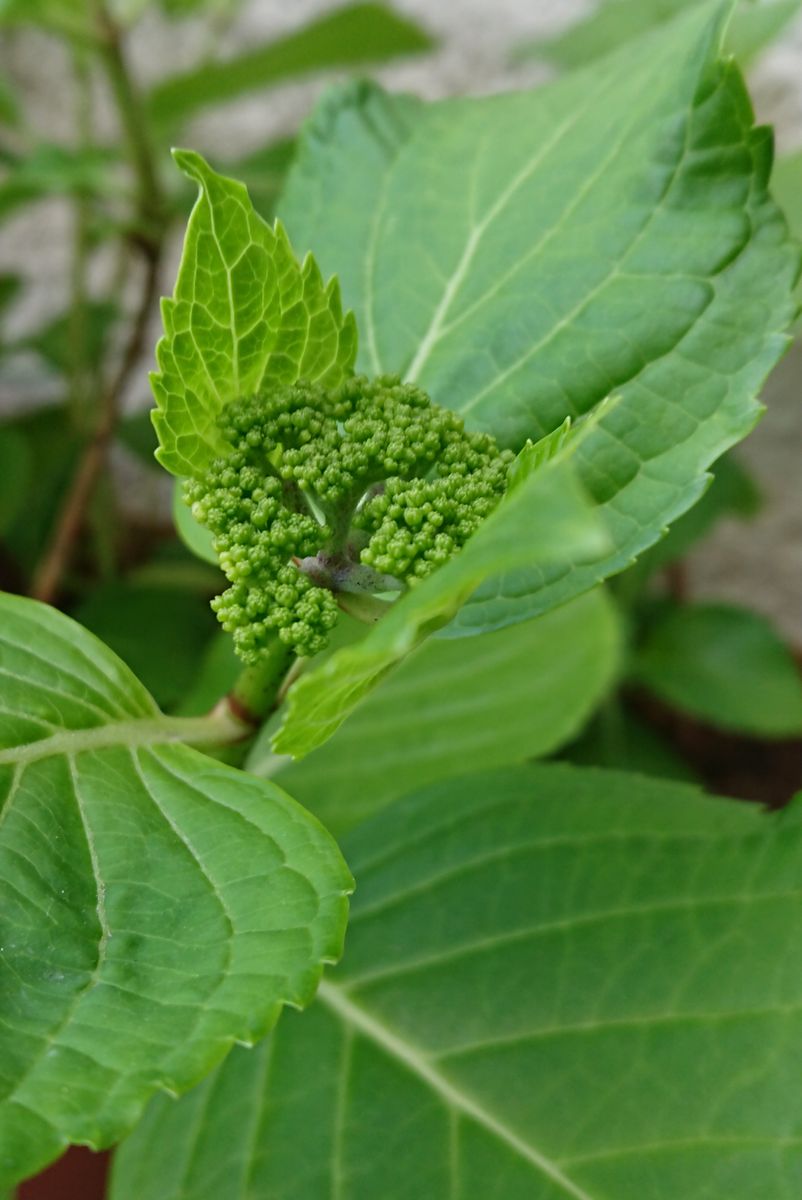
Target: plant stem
x=133, y=119
x=150, y=238
x=256, y=693
x=47, y=577
x=79, y=373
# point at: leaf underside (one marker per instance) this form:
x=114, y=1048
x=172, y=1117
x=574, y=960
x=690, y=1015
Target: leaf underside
x=558, y=985
x=458, y=706
x=155, y=905
x=523, y=256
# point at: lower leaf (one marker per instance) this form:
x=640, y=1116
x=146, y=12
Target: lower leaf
x=558, y=984
x=155, y=905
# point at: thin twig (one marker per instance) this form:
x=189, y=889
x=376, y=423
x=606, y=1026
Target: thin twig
x=149, y=239
x=70, y=520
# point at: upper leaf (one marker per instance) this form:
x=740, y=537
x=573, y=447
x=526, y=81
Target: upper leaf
x=558, y=985
x=155, y=905
x=523, y=256
x=755, y=24
x=545, y=517
x=243, y=314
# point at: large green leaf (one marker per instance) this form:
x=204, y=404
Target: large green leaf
x=558, y=985
x=156, y=905
x=787, y=183
x=460, y=705
x=544, y=517
x=724, y=664
x=244, y=313
x=732, y=493
x=787, y=187
x=523, y=256
x=351, y=35
x=755, y=24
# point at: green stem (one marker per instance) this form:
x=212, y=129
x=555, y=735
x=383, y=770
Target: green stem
x=256, y=693
x=133, y=118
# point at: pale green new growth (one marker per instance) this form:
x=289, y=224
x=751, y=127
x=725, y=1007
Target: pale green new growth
x=244, y=315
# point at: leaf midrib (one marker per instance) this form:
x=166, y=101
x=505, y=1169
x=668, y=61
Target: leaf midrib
x=358, y=1020
x=152, y=731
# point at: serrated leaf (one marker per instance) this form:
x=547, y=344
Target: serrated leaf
x=724, y=664
x=244, y=313
x=558, y=985
x=457, y=706
x=349, y=36
x=545, y=518
x=786, y=186
x=732, y=493
x=522, y=256
x=156, y=905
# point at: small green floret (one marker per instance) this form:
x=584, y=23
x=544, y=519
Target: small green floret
x=368, y=487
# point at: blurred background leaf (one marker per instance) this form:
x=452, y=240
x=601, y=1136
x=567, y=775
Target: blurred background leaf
x=350, y=36
x=160, y=632
x=51, y=170
x=724, y=664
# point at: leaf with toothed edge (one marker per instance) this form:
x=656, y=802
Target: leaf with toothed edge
x=244, y=314
x=155, y=905
x=521, y=256
x=558, y=984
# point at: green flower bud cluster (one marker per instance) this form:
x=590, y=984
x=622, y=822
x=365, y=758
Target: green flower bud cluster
x=256, y=534
x=416, y=525
x=370, y=473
